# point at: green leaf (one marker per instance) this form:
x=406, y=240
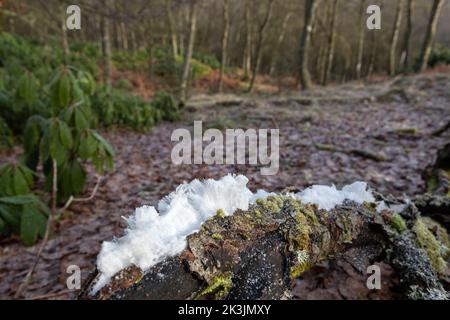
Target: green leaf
x=65, y=135
x=32, y=224
x=28, y=175
x=44, y=147
x=88, y=145
x=104, y=143
x=6, y=182
x=19, y=200
x=20, y=183
x=64, y=87
x=78, y=176
x=8, y=215
x=80, y=121
x=32, y=134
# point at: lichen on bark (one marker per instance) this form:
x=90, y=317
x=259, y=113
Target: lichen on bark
x=256, y=254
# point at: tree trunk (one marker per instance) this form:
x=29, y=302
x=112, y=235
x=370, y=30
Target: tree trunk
x=376, y=39
x=361, y=39
x=280, y=39
x=226, y=31
x=259, y=45
x=248, y=42
x=188, y=52
x=256, y=254
x=305, y=77
x=65, y=40
x=394, y=39
x=107, y=55
x=409, y=26
x=172, y=29
x=431, y=33
x=331, y=43
x=123, y=31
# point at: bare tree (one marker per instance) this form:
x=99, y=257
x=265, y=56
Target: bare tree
x=248, y=41
x=107, y=55
x=407, y=37
x=172, y=28
x=305, y=77
x=331, y=42
x=395, y=36
x=259, y=43
x=189, y=50
x=226, y=31
x=376, y=38
x=431, y=33
x=361, y=39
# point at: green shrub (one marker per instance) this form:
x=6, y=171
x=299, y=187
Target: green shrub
x=439, y=56
x=123, y=84
x=20, y=211
x=62, y=135
x=167, y=105
x=115, y=107
x=207, y=59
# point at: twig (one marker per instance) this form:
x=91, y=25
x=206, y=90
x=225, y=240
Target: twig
x=72, y=199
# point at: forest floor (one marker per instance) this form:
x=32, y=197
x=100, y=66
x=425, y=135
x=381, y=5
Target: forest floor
x=380, y=133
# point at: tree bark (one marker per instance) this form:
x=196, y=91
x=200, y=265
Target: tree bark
x=172, y=29
x=259, y=45
x=256, y=254
x=394, y=39
x=248, y=41
x=189, y=51
x=124, y=37
x=431, y=33
x=331, y=43
x=376, y=39
x=305, y=77
x=107, y=55
x=226, y=31
x=361, y=39
x=409, y=26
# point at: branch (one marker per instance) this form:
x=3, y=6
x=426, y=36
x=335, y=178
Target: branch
x=72, y=199
x=256, y=254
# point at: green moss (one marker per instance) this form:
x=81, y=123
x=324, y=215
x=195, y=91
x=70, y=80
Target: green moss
x=258, y=213
x=298, y=237
x=434, y=249
x=398, y=223
x=219, y=286
x=345, y=222
x=270, y=205
x=220, y=213
x=216, y=236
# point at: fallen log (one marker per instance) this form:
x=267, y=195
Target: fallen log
x=257, y=253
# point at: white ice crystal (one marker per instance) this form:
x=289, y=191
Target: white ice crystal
x=326, y=197
x=154, y=235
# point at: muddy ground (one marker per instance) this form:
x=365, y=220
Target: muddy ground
x=380, y=133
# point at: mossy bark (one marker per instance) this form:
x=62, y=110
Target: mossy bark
x=257, y=254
